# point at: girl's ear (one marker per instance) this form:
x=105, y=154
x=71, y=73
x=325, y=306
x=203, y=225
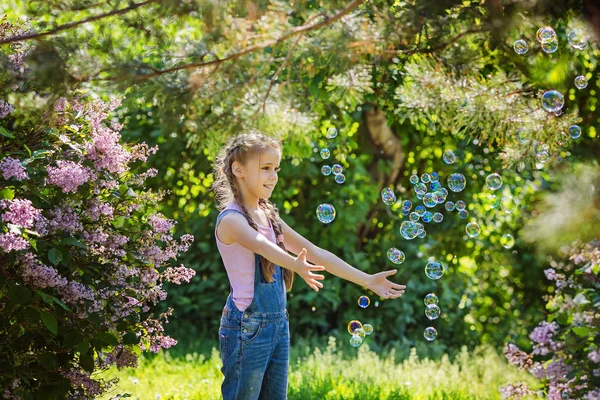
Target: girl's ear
x=236, y=168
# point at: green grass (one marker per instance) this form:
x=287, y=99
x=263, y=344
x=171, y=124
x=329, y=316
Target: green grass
x=331, y=372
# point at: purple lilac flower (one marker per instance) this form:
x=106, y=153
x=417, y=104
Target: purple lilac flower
x=594, y=356
x=179, y=274
x=517, y=356
x=68, y=175
x=160, y=224
x=97, y=208
x=106, y=152
x=38, y=275
x=11, y=167
x=64, y=218
x=5, y=109
x=12, y=242
x=21, y=212
x=61, y=105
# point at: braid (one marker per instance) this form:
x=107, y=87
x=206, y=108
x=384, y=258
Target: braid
x=273, y=214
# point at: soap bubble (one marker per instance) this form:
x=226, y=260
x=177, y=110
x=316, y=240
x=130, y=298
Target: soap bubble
x=420, y=188
x=354, y=325
x=430, y=333
x=432, y=311
x=552, y=101
x=441, y=195
x=461, y=205
x=388, y=196
x=420, y=210
x=493, y=181
x=449, y=157
x=325, y=153
x=434, y=177
x=575, y=131
x=414, y=179
x=396, y=256
x=360, y=332
x=405, y=212
x=408, y=230
x=337, y=169
x=507, y=203
x=425, y=178
x=543, y=156
x=581, y=82
x=473, y=229
x=376, y=304
x=355, y=341
x=493, y=200
x=427, y=217
x=331, y=133
x=419, y=196
x=577, y=39
x=430, y=200
x=507, y=241
x=406, y=205
x=463, y=214
x=520, y=46
x=550, y=46
x=438, y=217
x=462, y=103
x=434, y=186
x=364, y=301
x=422, y=234
x=434, y=269
x=450, y=206
x=457, y=182
x=368, y=328
x=326, y=170
x=546, y=34
x=522, y=135
x=413, y=216
x=340, y=178
x=431, y=298
x=325, y=213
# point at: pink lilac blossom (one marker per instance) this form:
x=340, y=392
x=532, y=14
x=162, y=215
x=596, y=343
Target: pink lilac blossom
x=515, y=391
x=83, y=380
x=516, y=356
x=74, y=292
x=60, y=105
x=593, y=395
x=542, y=337
x=141, y=151
x=12, y=168
x=38, y=275
x=160, y=224
x=550, y=274
x=177, y=275
x=594, y=356
x=5, y=109
x=68, y=175
x=12, y=242
x=64, y=218
x=97, y=208
x=21, y=212
x=557, y=370
x=126, y=358
x=140, y=178
x=106, y=152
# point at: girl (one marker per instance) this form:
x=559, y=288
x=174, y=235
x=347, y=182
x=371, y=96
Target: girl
x=254, y=243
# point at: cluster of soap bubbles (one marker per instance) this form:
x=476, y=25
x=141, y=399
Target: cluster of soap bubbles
x=433, y=270
x=335, y=168
x=356, y=328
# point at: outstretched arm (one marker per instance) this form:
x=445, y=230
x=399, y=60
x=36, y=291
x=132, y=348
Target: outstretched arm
x=378, y=282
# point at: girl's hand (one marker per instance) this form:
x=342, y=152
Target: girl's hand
x=384, y=288
x=304, y=269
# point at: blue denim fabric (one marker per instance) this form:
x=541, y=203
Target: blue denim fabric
x=255, y=343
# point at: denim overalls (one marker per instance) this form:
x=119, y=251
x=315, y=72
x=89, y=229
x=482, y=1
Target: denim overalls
x=255, y=344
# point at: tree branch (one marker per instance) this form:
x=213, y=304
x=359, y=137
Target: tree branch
x=437, y=47
x=297, y=31
x=64, y=27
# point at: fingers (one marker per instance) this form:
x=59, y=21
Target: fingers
x=398, y=287
x=396, y=292
x=315, y=276
x=316, y=268
x=391, y=272
x=302, y=254
x=317, y=283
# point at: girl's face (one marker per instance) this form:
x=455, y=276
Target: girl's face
x=259, y=175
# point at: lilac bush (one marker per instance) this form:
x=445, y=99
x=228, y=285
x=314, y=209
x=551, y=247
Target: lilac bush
x=83, y=254
x=565, y=352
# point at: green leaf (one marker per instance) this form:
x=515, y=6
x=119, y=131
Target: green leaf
x=71, y=339
x=4, y=132
x=107, y=338
x=131, y=338
x=62, y=304
x=7, y=194
x=87, y=362
x=581, y=331
x=20, y=295
x=83, y=347
x=73, y=242
x=55, y=256
x=49, y=360
x=50, y=321
x=28, y=150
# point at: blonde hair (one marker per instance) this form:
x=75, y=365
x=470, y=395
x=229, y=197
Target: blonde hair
x=242, y=148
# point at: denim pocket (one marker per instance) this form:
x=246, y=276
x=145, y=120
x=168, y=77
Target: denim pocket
x=250, y=330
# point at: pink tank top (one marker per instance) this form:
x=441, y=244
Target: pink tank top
x=239, y=264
